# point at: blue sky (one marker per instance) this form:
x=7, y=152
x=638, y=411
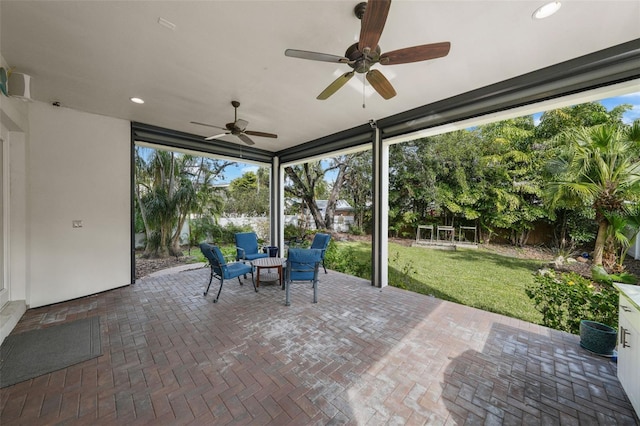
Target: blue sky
x=632, y=98
x=239, y=169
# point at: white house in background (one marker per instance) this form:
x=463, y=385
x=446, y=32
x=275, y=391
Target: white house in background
x=342, y=220
x=342, y=206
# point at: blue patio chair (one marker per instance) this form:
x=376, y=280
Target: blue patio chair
x=302, y=265
x=223, y=270
x=247, y=247
x=321, y=242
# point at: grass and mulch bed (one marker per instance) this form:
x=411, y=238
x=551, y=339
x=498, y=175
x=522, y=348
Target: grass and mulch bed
x=147, y=266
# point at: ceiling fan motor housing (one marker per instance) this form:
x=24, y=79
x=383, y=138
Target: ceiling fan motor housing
x=360, y=62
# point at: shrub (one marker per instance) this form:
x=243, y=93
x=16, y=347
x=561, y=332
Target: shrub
x=206, y=229
x=400, y=277
x=355, y=230
x=564, y=299
x=295, y=234
x=347, y=260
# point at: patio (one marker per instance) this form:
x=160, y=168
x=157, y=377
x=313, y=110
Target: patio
x=362, y=355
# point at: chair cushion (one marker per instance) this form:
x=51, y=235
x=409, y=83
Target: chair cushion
x=320, y=241
x=219, y=256
x=248, y=241
x=236, y=269
x=302, y=264
x=255, y=256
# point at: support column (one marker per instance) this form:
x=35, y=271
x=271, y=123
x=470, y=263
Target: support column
x=380, y=246
x=276, y=202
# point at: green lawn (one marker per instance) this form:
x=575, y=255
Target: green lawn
x=471, y=277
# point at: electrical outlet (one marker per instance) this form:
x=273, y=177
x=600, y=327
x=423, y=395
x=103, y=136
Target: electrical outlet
x=76, y=223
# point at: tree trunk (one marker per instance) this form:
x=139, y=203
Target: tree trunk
x=306, y=193
x=315, y=212
x=598, y=250
x=330, y=213
x=143, y=214
x=175, y=239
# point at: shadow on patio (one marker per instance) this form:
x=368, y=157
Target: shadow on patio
x=360, y=356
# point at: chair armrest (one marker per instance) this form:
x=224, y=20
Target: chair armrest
x=241, y=253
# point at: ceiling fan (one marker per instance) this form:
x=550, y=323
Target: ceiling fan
x=236, y=128
x=362, y=55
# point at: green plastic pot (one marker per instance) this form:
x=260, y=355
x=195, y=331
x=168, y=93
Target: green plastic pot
x=598, y=338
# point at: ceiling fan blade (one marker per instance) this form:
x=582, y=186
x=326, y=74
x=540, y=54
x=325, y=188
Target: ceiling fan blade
x=416, y=53
x=246, y=139
x=315, y=56
x=261, y=134
x=333, y=87
x=241, y=124
x=375, y=16
x=216, y=136
x=208, y=125
x=381, y=84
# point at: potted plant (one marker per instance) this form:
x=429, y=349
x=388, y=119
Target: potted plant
x=598, y=338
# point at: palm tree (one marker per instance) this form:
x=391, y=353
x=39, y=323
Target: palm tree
x=623, y=232
x=170, y=187
x=599, y=167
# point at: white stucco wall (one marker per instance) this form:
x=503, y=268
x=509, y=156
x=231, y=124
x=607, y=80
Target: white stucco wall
x=78, y=169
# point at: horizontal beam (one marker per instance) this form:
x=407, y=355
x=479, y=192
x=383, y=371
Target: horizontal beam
x=603, y=68
x=171, y=138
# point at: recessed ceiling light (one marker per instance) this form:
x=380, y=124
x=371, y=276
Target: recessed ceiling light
x=546, y=10
x=166, y=23
x=136, y=100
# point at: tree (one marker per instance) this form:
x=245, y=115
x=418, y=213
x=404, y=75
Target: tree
x=511, y=186
x=249, y=194
x=308, y=180
x=169, y=187
x=598, y=167
x=554, y=122
x=357, y=188
x=574, y=226
x=433, y=180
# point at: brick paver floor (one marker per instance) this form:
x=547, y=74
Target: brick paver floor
x=361, y=356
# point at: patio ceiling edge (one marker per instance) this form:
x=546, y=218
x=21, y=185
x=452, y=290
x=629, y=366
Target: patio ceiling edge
x=158, y=135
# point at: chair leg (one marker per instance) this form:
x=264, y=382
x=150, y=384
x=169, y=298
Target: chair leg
x=287, y=302
x=221, y=282
x=325, y=268
x=253, y=282
x=315, y=291
x=210, y=278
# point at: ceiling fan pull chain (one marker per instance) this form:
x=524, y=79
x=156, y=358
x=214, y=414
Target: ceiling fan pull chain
x=363, y=89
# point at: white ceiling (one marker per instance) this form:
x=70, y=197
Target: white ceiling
x=94, y=55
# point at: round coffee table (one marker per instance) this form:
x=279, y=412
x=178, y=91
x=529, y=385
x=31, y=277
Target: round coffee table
x=269, y=263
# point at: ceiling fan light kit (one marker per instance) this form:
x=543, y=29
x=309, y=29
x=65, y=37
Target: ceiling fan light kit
x=237, y=128
x=362, y=55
